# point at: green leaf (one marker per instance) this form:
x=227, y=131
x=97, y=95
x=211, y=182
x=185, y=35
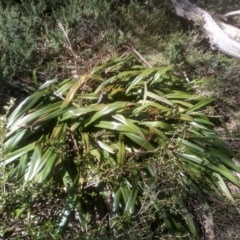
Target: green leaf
x=121, y=151
x=24, y=107
x=72, y=113
x=159, y=98
x=115, y=126
x=130, y=205
x=73, y=90
x=219, y=169
x=186, y=96
x=142, y=142
x=222, y=157
x=159, y=124
x=71, y=203
x=147, y=73
x=34, y=163
x=47, y=84
x=106, y=110
x=223, y=187
x=154, y=131
x=41, y=114
x=106, y=147
x=22, y=166
x=125, y=193
x=185, y=104
x=45, y=158
x=63, y=87
x=201, y=104
x=15, y=155
x=129, y=123
x=18, y=212
x=47, y=170
x=96, y=154
x=13, y=141
x=185, y=117
x=116, y=199
x=35, y=78
x=204, y=121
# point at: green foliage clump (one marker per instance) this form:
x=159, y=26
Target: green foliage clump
x=131, y=147
x=100, y=193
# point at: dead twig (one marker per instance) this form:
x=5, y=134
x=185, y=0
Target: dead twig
x=133, y=49
x=69, y=46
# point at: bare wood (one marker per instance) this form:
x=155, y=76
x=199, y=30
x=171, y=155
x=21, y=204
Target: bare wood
x=133, y=49
x=222, y=37
x=233, y=13
x=230, y=31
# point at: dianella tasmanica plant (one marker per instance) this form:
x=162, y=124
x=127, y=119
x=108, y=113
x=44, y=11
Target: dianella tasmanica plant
x=132, y=146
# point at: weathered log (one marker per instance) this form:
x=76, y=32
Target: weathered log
x=222, y=36
x=237, y=12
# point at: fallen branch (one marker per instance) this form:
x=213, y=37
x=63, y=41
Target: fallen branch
x=133, y=49
x=233, y=13
x=222, y=37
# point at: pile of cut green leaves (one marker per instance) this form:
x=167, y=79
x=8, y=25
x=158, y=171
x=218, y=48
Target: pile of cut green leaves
x=130, y=144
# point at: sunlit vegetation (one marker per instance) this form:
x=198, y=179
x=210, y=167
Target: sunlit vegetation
x=116, y=124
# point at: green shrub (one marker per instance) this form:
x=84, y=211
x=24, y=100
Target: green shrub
x=66, y=37
x=31, y=36
x=131, y=147
x=26, y=39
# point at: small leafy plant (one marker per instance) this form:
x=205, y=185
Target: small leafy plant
x=131, y=146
